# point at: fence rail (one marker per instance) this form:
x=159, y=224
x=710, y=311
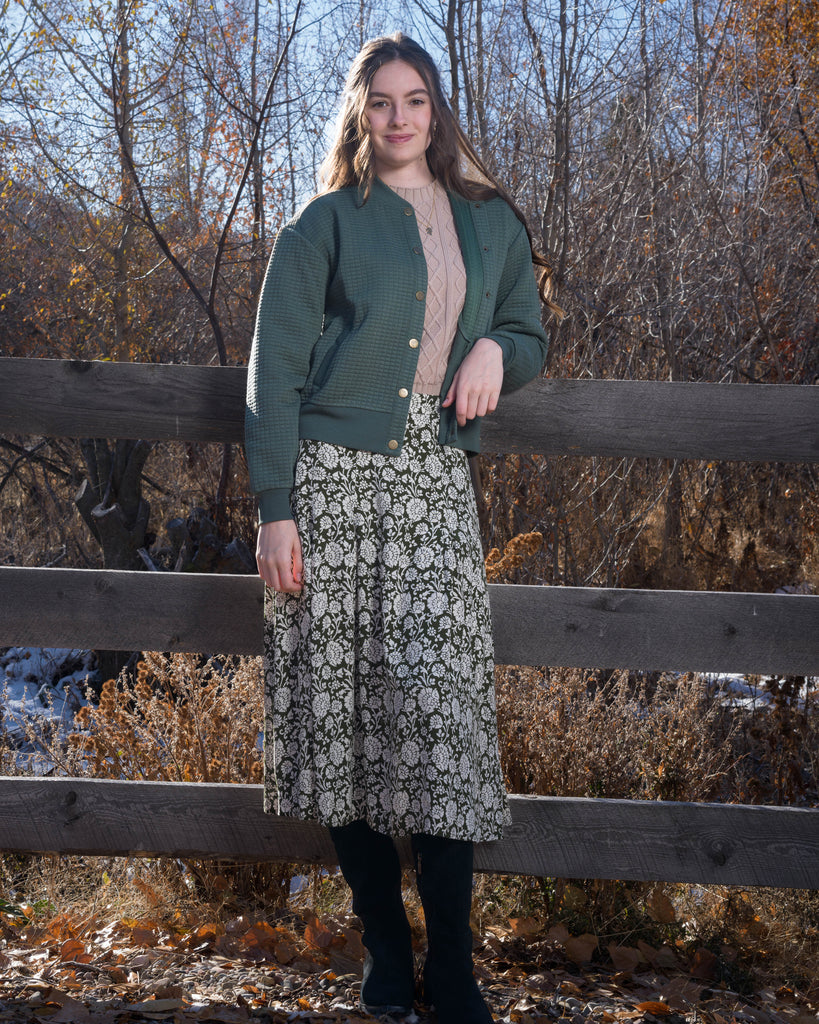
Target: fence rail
x=749, y=422
x=574, y=627
x=582, y=627
x=559, y=837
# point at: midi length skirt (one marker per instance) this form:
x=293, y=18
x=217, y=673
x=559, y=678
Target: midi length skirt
x=379, y=682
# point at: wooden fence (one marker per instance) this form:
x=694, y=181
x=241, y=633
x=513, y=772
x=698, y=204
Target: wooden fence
x=566, y=626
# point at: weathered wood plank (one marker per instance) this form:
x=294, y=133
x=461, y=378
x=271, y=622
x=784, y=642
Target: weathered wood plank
x=583, y=417
x=659, y=418
x=549, y=836
x=579, y=627
x=153, y=401
x=584, y=627
x=112, y=610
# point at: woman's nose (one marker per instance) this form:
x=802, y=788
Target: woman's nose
x=398, y=116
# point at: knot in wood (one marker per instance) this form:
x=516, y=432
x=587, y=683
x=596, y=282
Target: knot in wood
x=719, y=853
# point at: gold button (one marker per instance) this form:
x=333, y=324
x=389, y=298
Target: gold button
x=414, y=343
x=419, y=295
x=402, y=392
x=393, y=445
x=416, y=250
x=408, y=211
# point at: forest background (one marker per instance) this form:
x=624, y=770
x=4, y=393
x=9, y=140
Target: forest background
x=667, y=157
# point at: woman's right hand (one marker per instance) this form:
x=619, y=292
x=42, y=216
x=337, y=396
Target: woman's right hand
x=278, y=556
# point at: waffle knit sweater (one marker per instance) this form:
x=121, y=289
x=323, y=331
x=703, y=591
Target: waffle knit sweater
x=340, y=320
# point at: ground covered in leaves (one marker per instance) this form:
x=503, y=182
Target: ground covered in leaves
x=69, y=970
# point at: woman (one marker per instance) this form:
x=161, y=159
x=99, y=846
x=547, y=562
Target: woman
x=396, y=306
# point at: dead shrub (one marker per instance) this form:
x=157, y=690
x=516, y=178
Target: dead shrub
x=181, y=719
x=185, y=719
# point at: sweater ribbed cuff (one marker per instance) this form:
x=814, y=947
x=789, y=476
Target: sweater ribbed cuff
x=274, y=505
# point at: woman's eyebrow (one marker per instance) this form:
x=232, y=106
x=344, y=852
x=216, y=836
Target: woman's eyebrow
x=412, y=92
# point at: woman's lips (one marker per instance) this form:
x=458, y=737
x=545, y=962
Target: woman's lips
x=398, y=138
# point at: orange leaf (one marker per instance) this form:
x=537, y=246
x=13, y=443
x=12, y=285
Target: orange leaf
x=524, y=927
x=71, y=949
x=656, y=1009
x=209, y=932
x=260, y=934
x=318, y=935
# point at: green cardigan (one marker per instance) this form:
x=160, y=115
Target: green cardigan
x=340, y=314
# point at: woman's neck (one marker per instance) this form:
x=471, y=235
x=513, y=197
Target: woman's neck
x=406, y=177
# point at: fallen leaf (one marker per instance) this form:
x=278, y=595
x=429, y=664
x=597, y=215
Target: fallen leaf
x=71, y=1010
x=208, y=932
x=655, y=1008
x=559, y=933
x=524, y=927
x=681, y=994
x=144, y=936
x=660, y=907
x=545, y=981
x=582, y=948
x=71, y=949
x=284, y=952
x=625, y=958
x=662, y=959
x=156, y=1006
x=704, y=965
x=319, y=935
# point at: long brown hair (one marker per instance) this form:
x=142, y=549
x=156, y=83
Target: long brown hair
x=349, y=161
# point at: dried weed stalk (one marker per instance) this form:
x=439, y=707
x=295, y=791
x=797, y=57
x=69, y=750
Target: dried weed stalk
x=564, y=733
x=180, y=720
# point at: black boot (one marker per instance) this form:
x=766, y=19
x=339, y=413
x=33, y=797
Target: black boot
x=370, y=865
x=444, y=872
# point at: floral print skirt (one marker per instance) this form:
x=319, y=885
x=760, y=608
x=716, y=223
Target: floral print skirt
x=379, y=682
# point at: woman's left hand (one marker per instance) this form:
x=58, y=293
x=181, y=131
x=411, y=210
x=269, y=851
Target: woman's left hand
x=477, y=383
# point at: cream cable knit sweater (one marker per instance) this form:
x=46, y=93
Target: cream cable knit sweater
x=446, y=285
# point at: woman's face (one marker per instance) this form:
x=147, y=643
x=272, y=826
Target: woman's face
x=399, y=110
